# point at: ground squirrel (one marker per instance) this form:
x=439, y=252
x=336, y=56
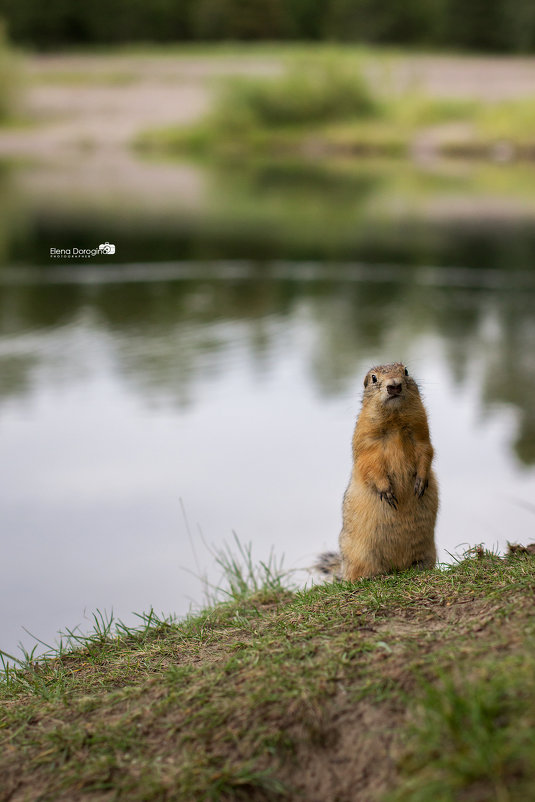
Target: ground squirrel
x=390, y=505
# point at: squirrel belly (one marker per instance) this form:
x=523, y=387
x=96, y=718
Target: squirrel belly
x=378, y=538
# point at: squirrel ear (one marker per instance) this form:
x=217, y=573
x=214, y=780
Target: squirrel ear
x=366, y=379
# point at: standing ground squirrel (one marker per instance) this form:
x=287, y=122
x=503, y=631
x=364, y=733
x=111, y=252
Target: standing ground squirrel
x=391, y=503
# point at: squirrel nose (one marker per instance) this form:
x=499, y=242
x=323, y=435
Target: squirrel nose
x=393, y=388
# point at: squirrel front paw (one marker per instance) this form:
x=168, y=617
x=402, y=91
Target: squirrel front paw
x=389, y=497
x=420, y=486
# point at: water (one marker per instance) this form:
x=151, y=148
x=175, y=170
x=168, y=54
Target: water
x=155, y=403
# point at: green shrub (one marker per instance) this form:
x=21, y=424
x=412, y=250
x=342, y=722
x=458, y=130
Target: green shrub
x=312, y=91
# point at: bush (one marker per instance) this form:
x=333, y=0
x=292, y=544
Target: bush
x=313, y=91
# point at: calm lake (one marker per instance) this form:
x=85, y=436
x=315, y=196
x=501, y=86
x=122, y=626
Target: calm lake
x=206, y=378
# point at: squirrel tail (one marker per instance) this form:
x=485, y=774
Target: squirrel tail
x=330, y=564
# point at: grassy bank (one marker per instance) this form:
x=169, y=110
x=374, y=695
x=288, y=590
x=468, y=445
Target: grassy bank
x=410, y=687
x=338, y=103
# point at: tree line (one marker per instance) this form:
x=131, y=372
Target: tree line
x=484, y=25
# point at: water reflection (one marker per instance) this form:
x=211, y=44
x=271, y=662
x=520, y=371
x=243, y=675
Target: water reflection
x=482, y=216
x=164, y=336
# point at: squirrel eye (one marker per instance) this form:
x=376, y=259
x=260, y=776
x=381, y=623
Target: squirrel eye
x=374, y=378
x=406, y=372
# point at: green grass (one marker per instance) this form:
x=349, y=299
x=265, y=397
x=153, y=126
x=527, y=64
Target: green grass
x=474, y=735
x=242, y=576
x=241, y=700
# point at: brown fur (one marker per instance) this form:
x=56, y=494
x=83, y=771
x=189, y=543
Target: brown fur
x=391, y=503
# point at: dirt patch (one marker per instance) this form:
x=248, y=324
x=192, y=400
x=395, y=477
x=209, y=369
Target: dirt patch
x=359, y=765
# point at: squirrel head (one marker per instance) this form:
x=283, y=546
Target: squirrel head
x=390, y=384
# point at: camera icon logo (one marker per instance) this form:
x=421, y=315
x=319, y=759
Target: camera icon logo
x=107, y=248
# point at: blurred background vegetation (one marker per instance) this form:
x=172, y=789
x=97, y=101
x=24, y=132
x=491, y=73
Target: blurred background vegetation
x=485, y=25
x=9, y=77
